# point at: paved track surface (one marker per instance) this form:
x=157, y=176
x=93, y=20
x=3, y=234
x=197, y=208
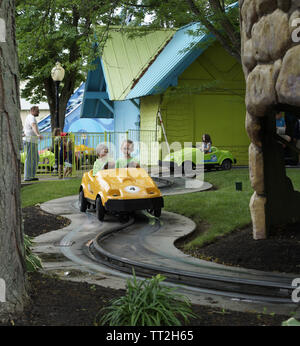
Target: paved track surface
x=147, y=244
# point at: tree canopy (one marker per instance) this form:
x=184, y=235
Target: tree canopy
x=219, y=17
x=58, y=30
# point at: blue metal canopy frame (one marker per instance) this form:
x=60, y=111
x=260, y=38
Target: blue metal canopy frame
x=96, y=99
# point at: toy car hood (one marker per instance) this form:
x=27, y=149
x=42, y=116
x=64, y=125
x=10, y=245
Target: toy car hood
x=125, y=183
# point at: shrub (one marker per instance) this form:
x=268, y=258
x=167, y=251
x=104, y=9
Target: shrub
x=33, y=262
x=291, y=322
x=146, y=303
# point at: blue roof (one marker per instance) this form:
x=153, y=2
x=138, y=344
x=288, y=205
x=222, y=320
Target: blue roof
x=183, y=49
x=178, y=54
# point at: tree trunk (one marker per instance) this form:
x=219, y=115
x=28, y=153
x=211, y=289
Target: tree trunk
x=65, y=93
x=12, y=264
x=66, y=90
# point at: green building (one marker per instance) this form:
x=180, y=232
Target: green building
x=197, y=86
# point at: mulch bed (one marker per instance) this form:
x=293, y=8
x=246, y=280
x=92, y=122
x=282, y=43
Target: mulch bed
x=37, y=222
x=56, y=302
x=279, y=253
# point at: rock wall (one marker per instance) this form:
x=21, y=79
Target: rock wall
x=271, y=64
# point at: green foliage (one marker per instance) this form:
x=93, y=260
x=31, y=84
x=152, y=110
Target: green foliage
x=61, y=30
x=64, y=30
x=33, y=262
x=146, y=303
x=212, y=14
x=291, y=322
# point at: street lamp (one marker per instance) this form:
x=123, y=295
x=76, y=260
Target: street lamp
x=57, y=74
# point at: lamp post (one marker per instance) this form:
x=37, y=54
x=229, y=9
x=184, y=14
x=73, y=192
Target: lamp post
x=57, y=74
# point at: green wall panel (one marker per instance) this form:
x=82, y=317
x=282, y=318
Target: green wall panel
x=209, y=98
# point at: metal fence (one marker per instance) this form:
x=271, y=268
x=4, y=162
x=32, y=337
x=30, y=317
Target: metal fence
x=75, y=153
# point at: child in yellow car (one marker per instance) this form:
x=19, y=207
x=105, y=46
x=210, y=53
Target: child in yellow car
x=102, y=161
x=127, y=148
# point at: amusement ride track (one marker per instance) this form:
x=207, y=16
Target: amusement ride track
x=147, y=245
x=144, y=247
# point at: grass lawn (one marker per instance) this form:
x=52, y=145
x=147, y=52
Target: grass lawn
x=217, y=211
x=220, y=211
x=45, y=191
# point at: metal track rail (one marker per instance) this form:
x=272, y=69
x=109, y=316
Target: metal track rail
x=268, y=288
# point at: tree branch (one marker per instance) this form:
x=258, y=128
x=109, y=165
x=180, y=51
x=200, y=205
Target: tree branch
x=227, y=43
x=227, y=25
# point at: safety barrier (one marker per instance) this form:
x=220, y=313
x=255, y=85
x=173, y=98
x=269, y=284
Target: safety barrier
x=75, y=153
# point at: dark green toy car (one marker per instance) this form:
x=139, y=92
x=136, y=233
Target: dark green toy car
x=187, y=159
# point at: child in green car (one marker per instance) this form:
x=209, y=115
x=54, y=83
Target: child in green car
x=127, y=148
x=206, y=144
x=103, y=161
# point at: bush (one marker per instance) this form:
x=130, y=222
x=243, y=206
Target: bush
x=33, y=262
x=291, y=322
x=146, y=303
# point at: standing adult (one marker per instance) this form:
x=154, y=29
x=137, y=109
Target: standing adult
x=32, y=135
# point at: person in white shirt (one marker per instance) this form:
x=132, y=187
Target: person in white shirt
x=32, y=136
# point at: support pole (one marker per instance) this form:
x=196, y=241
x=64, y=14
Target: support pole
x=57, y=104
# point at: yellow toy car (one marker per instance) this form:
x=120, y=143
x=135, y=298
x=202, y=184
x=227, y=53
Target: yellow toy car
x=120, y=191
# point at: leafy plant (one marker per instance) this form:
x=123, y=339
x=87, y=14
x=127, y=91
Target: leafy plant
x=146, y=303
x=33, y=262
x=291, y=322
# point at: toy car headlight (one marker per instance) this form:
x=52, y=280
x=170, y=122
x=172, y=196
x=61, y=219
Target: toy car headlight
x=150, y=190
x=114, y=193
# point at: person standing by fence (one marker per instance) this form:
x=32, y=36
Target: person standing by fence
x=32, y=135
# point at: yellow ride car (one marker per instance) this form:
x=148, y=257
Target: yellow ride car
x=120, y=191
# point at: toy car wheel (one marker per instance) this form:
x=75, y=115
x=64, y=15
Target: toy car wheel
x=123, y=218
x=226, y=165
x=82, y=202
x=157, y=212
x=100, y=211
x=188, y=168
